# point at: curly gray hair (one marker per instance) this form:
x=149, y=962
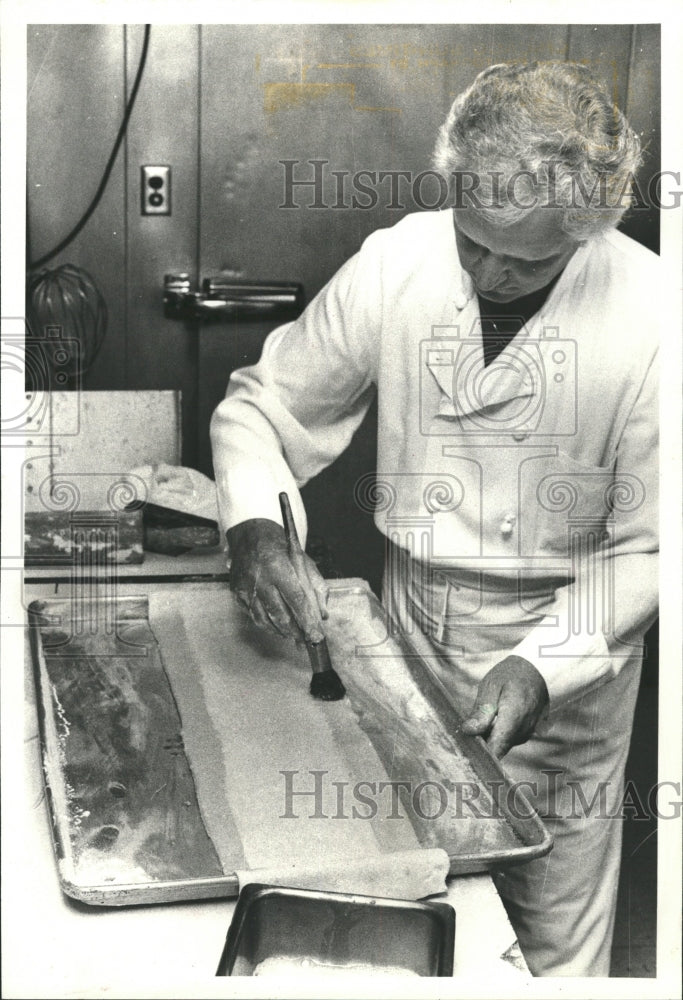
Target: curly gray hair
x=551, y=127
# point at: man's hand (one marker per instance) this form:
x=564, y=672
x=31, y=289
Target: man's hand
x=264, y=580
x=509, y=703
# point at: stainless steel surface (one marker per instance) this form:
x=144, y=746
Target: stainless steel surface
x=338, y=929
x=512, y=805
x=105, y=761
x=510, y=836
x=222, y=298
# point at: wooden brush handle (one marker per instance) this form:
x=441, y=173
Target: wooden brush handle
x=300, y=563
x=296, y=553
x=291, y=535
x=325, y=684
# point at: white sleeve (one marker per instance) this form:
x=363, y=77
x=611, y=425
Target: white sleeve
x=598, y=621
x=289, y=416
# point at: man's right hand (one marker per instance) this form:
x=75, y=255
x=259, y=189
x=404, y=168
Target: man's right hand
x=265, y=581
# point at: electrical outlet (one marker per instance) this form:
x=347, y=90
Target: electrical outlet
x=155, y=188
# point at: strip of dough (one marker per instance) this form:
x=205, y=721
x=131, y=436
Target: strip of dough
x=399, y=875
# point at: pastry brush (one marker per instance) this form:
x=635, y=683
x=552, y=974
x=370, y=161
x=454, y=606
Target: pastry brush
x=325, y=683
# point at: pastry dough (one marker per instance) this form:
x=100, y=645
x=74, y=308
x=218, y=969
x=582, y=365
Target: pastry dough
x=400, y=875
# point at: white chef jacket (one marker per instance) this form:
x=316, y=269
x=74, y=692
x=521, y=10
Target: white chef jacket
x=537, y=471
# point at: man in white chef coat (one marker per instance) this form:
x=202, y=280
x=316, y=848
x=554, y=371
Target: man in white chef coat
x=511, y=342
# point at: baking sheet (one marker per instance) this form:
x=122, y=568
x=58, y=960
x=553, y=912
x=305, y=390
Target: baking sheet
x=178, y=738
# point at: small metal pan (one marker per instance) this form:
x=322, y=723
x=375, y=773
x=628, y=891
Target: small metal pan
x=311, y=931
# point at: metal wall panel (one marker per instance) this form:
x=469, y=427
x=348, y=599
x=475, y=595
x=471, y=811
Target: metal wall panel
x=606, y=49
x=528, y=42
x=161, y=353
x=360, y=97
x=74, y=105
x=643, y=107
x=223, y=104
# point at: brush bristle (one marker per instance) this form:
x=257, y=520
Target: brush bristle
x=326, y=686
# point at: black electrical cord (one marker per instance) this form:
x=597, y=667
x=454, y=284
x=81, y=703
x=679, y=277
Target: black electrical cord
x=110, y=162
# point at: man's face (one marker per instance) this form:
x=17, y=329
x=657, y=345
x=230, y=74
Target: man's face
x=507, y=263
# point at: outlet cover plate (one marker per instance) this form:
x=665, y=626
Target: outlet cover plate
x=155, y=190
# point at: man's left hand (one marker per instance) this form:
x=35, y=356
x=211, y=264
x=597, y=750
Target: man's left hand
x=509, y=703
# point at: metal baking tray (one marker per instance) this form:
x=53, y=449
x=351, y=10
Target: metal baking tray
x=126, y=687
x=312, y=930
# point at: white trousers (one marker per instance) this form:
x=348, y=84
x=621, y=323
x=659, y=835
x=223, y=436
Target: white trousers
x=562, y=905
